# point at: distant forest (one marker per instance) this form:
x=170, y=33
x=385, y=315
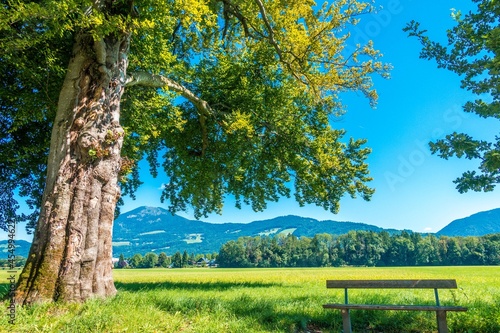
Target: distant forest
x=360, y=248
x=356, y=248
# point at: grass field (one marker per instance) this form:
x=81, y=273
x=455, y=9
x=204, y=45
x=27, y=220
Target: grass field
x=264, y=300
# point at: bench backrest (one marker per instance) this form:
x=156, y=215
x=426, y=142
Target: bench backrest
x=394, y=284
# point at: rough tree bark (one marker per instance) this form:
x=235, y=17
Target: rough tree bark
x=70, y=258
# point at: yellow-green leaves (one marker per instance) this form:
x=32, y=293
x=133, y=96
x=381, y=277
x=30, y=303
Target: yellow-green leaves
x=237, y=122
x=195, y=12
x=310, y=44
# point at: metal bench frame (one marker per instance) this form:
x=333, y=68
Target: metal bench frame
x=393, y=284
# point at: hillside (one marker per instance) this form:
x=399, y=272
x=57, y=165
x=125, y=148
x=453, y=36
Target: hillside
x=154, y=229
x=478, y=224
x=22, y=248
x=147, y=229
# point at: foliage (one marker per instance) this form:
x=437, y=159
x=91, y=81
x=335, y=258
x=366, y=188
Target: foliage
x=33, y=57
x=163, y=260
x=16, y=262
x=360, y=248
x=473, y=52
x=252, y=86
x=177, y=260
x=185, y=259
x=136, y=261
x=150, y=260
x=264, y=300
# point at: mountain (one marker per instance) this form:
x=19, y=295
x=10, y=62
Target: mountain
x=22, y=248
x=478, y=224
x=147, y=229
x=152, y=229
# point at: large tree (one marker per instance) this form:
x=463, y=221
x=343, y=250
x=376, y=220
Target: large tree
x=473, y=52
x=236, y=95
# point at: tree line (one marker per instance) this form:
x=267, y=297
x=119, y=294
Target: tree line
x=178, y=260
x=356, y=248
x=18, y=261
x=360, y=248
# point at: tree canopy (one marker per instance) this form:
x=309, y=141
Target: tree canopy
x=227, y=97
x=473, y=52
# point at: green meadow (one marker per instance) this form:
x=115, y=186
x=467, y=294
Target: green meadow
x=264, y=300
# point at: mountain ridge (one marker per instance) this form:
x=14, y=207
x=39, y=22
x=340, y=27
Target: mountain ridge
x=154, y=229
x=171, y=233
x=204, y=237
x=478, y=224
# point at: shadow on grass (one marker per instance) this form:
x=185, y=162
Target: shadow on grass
x=246, y=301
x=272, y=317
x=190, y=286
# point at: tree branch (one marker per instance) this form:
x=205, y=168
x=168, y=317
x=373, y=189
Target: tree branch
x=231, y=9
x=159, y=81
x=270, y=30
x=274, y=43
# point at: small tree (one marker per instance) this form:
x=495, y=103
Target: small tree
x=185, y=259
x=177, y=260
x=163, y=260
x=136, y=260
x=121, y=262
x=150, y=260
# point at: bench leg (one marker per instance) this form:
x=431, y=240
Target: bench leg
x=441, y=321
x=346, y=319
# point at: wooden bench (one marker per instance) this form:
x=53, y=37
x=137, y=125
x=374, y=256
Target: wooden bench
x=393, y=284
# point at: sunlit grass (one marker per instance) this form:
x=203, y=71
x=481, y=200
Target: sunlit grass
x=265, y=300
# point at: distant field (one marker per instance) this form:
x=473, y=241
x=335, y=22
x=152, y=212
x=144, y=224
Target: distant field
x=193, y=238
x=264, y=300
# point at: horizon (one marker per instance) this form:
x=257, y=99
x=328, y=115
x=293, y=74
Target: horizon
x=28, y=238
x=293, y=215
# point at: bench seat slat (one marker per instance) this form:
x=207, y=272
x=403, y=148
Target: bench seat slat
x=394, y=307
x=395, y=284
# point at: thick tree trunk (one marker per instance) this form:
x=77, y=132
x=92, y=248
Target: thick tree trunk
x=70, y=258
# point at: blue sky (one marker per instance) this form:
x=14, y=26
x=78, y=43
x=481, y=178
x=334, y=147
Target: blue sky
x=420, y=103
